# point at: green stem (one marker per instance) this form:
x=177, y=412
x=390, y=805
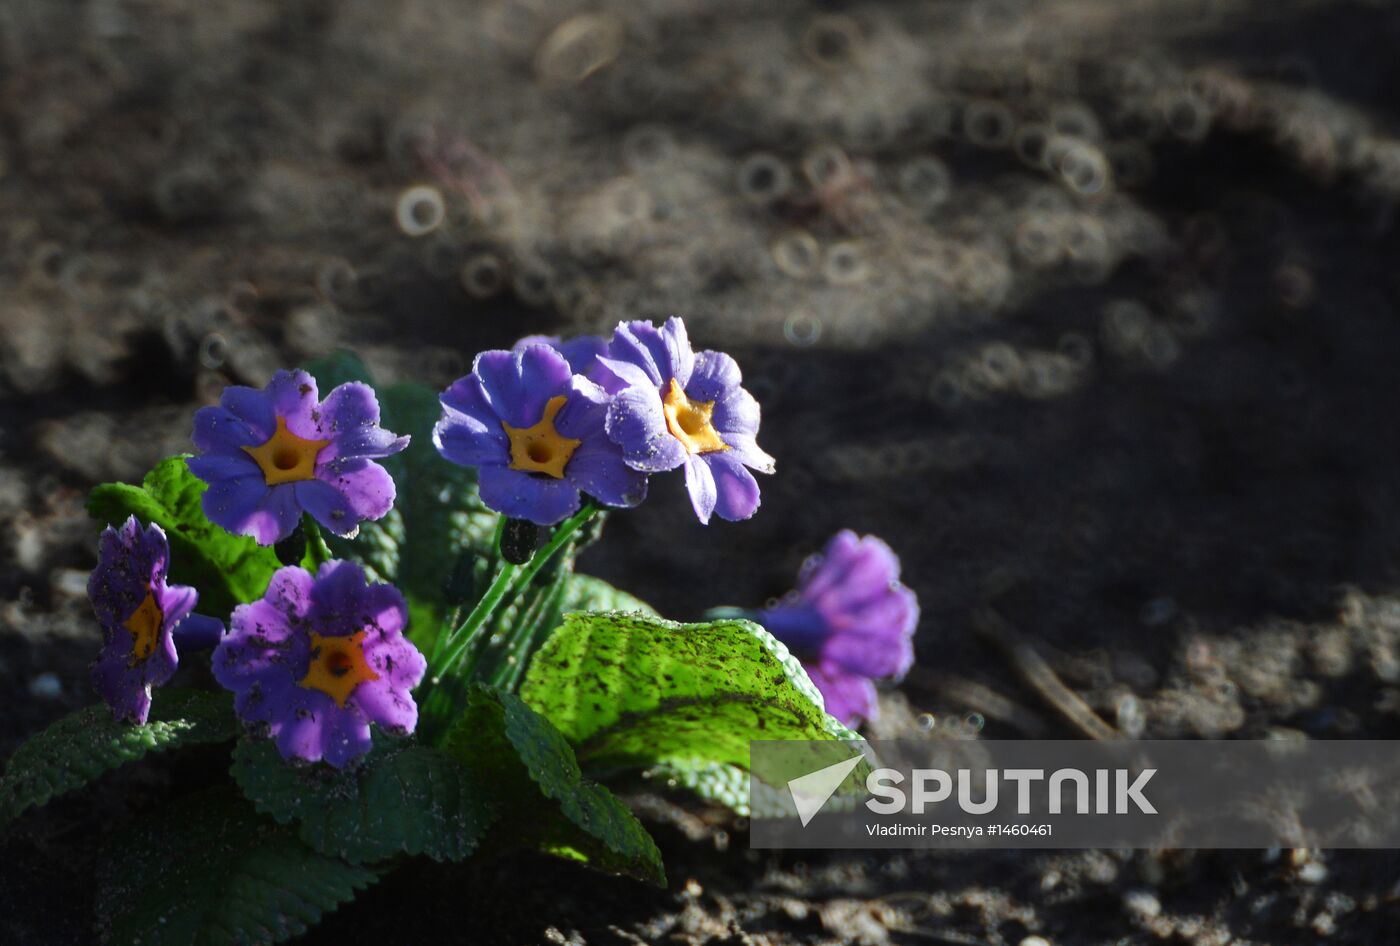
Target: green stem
x=316, y=549
x=562, y=534
x=508, y=674
x=460, y=639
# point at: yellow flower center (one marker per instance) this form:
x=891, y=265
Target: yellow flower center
x=689, y=421
x=337, y=666
x=541, y=448
x=144, y=625
x=285, y=457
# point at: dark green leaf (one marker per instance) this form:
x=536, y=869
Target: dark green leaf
x=208, y=871
x=227, y=569
x=586, y=593
x=402, y=798
x=335, y=369
x=632, y=690
x=85, y=744
x=526, y=763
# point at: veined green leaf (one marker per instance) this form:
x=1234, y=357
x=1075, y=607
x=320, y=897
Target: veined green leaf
x=83, y=745
x=208, y=871
x=545, y=800
x=401, y=799
x=632, y=690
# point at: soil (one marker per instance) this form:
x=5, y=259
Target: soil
x=1136, y=398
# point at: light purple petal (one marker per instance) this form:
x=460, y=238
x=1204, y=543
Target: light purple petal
x=123, y=687
x=327, y=505
x=348, y=406
x=700, y=483
x=385, y=608
x=293, y=396
x=470, y=433
x=662, y=354
x=744, y=449
x=300, y=737
x=235, y=503
x=344, y=736
x=213, y=467
x=367, y=487
x=517, y=385
x=599, y=470
x=635, y=422
x=736, y=414
x=542, y=500
x=877, y=654
x=217, y=429
x=289, y=591
x=714, y=376
x=253, y=407
x=391, y=708
x=349, y=418
x=614, y=375
x=197, y=632
x=736, y=491
x=848, y=697
x=275, y=518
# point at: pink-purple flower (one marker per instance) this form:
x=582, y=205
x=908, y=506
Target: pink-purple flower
x=849, y=621
x=269, y=455
x=676, y=407
x=138, y=612
x=536, y=432
x=317, y=660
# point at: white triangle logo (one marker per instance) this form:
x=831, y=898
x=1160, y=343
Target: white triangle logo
x=811, y=791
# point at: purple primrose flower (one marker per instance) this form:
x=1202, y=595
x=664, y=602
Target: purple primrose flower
x=674, y=406
x=581, y=352
x=536, y=431
x=269, y=455
x=850, y=621
x=138, y=612
x=318, y=659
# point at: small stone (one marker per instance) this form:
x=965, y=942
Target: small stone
x=46, y=686
x=1142, y=904
x=1035, y=941
x=1313, y=872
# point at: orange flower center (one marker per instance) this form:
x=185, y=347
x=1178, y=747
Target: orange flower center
x=541, y=448
x=285, y=457
x=144, y=624
x=689, y=421
x=337, y=666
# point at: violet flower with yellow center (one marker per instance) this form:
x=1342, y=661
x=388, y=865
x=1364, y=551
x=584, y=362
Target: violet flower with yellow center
x=141, y=616
x=536, y=433
x=677, y=407
x=850, y=622
x=269, y=455
x=317, y=660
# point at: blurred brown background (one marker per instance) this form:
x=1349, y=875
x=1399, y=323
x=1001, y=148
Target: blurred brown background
x=1089, y=308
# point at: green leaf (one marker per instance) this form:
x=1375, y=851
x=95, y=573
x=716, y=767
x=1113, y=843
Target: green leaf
x=586, y=593
x=227, y=569
x=632, y=690
x=335, y=369
x=83, y=745
x=208, y=871
x=402, y=799
x=526, y=763
x=726, y=785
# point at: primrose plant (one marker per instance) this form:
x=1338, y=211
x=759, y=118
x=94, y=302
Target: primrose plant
x=400, y=651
